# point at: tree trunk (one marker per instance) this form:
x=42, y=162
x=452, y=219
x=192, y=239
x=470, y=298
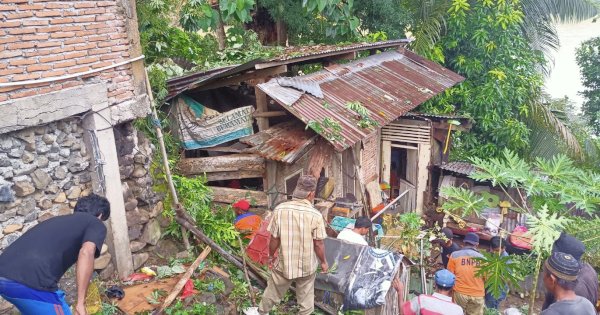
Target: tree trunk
x=221, y=37
x=281, y=33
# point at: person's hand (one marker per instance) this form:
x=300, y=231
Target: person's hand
x=80, y=309
x=272, y=261
x=397, y=284
x=324, y=267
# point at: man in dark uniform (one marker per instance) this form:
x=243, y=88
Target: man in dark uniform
x=31, y=267
x=448, y=245
x=587, y=281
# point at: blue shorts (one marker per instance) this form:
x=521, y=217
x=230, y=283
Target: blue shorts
x=33, y=302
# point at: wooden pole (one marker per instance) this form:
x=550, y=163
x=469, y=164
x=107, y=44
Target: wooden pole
x=246, y=272
x=389, y=205
x=181, y=283
x=163, y=151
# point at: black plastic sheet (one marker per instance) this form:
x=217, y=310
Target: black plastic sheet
x=363, y=274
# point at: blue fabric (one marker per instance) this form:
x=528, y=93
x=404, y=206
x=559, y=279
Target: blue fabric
x=492, y=302
x=33, y=302
x=241, y=216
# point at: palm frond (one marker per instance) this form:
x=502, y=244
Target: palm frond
x=541, y=16
x=428, y=24
x=560, y=10
x=543, y=120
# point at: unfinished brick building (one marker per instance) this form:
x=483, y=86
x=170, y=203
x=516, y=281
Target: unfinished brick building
x=71, y=81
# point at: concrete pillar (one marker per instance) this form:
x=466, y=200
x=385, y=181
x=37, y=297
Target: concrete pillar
x=102, y=141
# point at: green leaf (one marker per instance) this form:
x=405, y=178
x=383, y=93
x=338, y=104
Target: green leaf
x=321, y=5
x=461, y=201
x=498, y=271
x=545, y=228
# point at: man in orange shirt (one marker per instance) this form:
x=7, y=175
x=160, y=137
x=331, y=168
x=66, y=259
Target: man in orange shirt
x=469, y=290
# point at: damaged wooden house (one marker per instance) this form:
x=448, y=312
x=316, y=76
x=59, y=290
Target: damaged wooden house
x=342, y=114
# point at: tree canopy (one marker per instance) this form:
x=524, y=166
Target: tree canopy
x=588, y=59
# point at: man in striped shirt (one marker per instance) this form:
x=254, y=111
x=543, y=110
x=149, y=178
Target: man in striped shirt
x=297, y=231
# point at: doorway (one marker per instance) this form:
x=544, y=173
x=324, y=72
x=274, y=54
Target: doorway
x=400, y=170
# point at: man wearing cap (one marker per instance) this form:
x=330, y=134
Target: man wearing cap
x=560, y=277
x=357, y=234
x=587, y=281
x=297, y=231
x=245, y=222
x=440, y=302
x=469, y=290
x=448, y=245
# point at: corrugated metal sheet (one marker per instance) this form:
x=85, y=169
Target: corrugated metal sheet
x=388, y=84
x=293, y=53
x=464, y=168
x=285, y=142
x=181, y=84
x=438, y=116
x=289, y=55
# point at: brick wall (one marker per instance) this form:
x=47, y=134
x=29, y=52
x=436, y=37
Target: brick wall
x=370, y=158
x=45, y=39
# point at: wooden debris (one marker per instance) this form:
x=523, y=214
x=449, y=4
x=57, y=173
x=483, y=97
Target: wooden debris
x=135, y=300
x=184, y=278
x=222, y=163
x=186, y=221
x=231, y=195
x=221, y=272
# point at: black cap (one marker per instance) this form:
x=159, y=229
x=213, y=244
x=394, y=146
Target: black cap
x=362, y=222
x=563, y=266
x=472, y=238
x=448, y=233
x=569, y=245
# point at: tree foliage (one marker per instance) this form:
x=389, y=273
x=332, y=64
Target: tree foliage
x=548, y=193
x=556, y=185
x=588, y=59
x=483, y=42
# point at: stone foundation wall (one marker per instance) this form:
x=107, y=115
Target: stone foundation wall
x=43, y=170
x=142, y=204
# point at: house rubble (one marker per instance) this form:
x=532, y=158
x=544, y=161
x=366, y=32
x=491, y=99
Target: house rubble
x=347, y=124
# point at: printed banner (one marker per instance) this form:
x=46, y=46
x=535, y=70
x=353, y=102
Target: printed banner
x=202, y=127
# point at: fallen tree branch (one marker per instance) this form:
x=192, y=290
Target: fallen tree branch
x=181, y=283
x=185, y=220
x=223, y=253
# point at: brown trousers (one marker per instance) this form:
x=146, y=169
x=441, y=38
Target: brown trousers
x=472, y=305
x=277, y=286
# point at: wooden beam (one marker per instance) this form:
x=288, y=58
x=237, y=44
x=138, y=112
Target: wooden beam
x=278, y=113
x=441, y=125
x=223, y=163
x=346, y=56
x=233, y=175
x=222, y=149
x=231, y=195
x=261, y=107
x=254, y=75
x=182, y=281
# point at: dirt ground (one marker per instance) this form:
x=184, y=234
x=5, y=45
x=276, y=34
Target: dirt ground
x=516, y=302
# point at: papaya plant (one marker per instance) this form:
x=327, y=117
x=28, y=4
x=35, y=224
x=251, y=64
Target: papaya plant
x=547, y=191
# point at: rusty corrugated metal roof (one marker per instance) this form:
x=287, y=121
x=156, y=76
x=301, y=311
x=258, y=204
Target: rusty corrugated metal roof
x=439, y=116
x=298, y=52
x=284, y=142
x=177, y=85
x=388, y=84
x=464, y=168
